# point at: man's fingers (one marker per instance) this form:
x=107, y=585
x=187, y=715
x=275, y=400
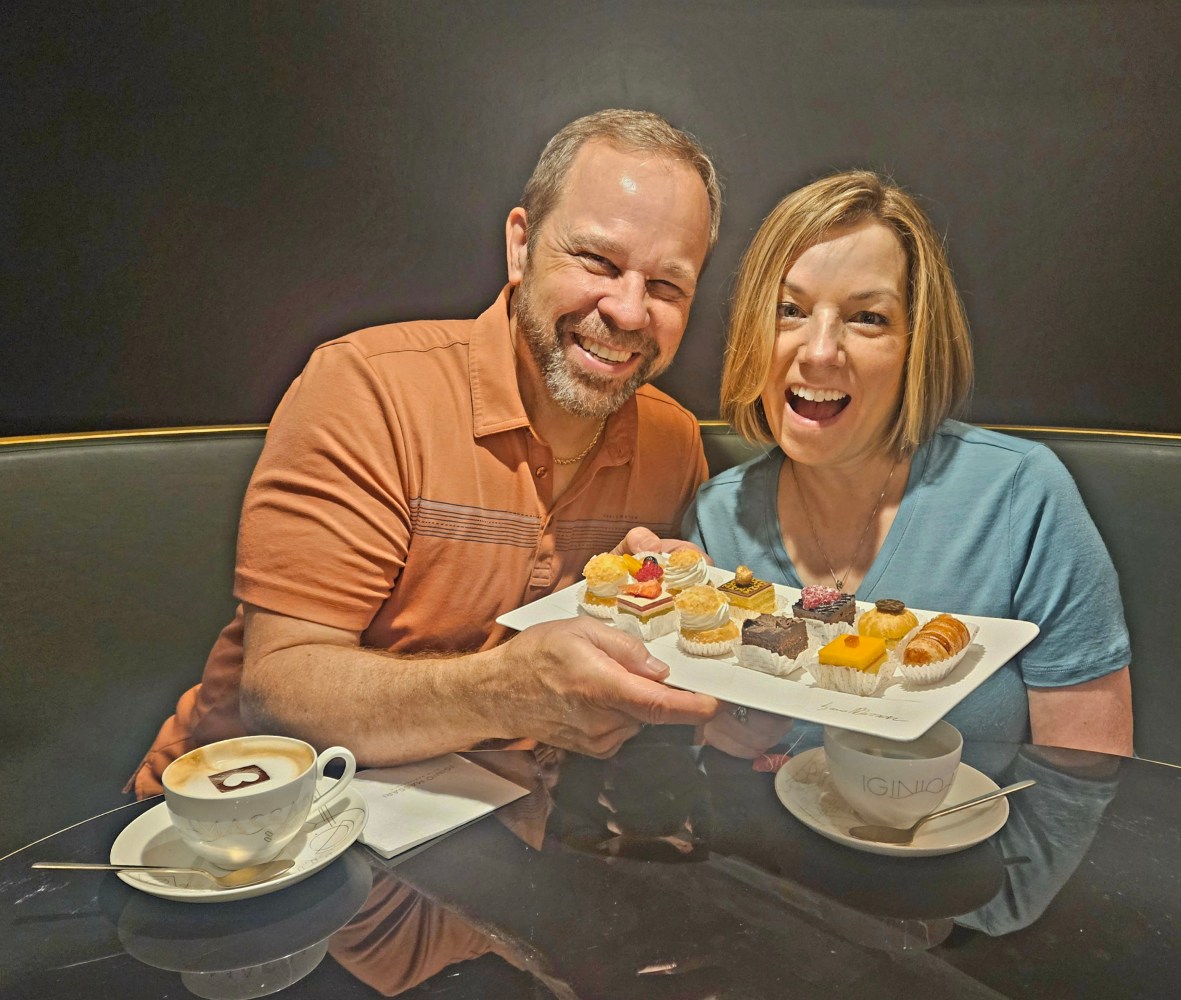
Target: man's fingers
x=629, y=652
x=659, y=704
x=639, y=539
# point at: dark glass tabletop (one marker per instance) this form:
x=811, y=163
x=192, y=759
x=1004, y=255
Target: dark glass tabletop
x=665, y=872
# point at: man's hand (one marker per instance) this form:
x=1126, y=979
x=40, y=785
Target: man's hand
x=645, y=540
x=583, y=686
x=746, y=735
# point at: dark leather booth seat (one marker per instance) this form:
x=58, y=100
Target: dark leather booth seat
x=116, y=560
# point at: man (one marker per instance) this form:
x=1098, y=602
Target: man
x=420, y=479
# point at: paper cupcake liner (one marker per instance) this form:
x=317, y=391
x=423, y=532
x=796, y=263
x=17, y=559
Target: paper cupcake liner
x=919, y=675
x=822, y=633
x=758, y=658
x=846, y=679
x=706, y=648
x=603, y=611
x=739, y=615
x=649, y=630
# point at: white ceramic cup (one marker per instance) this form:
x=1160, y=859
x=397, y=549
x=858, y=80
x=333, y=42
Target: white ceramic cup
x=241, y=801
x=889, y=782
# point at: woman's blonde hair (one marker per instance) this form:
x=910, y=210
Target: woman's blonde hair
x=937, y=376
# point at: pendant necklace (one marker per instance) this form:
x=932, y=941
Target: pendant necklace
x=839, y=581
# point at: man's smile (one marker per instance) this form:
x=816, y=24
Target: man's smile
x=601, y=351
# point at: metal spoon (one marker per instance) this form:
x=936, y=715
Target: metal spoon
x=250, y=875
x=893, y=835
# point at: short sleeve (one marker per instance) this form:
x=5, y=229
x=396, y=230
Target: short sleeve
x=326, y=521
x=691, y=526
x=1064, y=579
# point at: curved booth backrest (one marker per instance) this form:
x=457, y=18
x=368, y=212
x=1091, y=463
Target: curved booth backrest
x=116, y=563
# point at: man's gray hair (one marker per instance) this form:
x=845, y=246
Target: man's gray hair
x=625, y=130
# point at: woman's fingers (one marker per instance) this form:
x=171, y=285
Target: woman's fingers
x=745, y=732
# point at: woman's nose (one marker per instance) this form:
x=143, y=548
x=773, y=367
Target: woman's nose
x=825, y=338
x=626, y=303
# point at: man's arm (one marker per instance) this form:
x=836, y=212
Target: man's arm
x=574, y=684
x=1094, y=715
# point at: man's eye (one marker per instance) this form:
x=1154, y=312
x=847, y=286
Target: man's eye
x=788, y=310
x=601, y=264
x=665, y=290
x=869, y=318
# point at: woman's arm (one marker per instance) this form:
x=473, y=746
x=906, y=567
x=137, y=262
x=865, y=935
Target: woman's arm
x=1094, y=715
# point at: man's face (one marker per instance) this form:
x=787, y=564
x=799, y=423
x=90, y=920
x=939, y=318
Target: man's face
x=605, y=286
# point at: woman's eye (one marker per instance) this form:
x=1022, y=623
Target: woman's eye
x=870, y=318
x=788, y=310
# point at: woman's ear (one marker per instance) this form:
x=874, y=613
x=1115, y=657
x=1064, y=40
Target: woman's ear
x=516, y=239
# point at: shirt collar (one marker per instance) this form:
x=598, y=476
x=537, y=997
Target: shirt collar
x=492, y=366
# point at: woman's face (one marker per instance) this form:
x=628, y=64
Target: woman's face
x=840, y=346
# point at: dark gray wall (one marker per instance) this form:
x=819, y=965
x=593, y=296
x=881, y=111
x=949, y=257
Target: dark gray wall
x=195, y=194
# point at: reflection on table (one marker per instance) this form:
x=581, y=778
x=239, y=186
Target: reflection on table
x=666, y=871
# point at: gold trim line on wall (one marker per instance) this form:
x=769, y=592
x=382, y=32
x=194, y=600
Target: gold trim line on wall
x=708, y=426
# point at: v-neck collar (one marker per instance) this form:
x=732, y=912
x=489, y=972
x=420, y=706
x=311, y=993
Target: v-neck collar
x=906, y=509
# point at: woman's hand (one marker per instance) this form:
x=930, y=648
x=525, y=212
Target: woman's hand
x=744, y=732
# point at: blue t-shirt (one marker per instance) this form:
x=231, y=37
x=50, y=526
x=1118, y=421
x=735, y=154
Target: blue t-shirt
x=989, y=525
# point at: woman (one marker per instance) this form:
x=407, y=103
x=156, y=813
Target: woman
x=848, y=348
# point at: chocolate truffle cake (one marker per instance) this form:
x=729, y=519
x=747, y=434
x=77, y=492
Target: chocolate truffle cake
x=782, y=636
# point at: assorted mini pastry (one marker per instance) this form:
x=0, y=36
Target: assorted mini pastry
x=606, y=575
x=934, y=650
x=852, y=663
x=705, y=625
x=748, y=596
x=652, y=595
x=683, y=569
x=826, y=605
x=773, y=644
x=643, y=607
x=888, y=619
x=942, y=637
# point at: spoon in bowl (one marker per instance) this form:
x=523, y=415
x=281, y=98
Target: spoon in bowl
x=893, y=835
x=241, y=877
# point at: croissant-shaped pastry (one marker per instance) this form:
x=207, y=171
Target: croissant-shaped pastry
x=941, y=637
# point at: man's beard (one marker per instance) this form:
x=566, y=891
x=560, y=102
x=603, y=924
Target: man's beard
x=572, y=387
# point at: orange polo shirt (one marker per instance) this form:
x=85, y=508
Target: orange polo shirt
x=401, y=492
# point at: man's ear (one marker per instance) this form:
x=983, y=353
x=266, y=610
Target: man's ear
x=516, y=239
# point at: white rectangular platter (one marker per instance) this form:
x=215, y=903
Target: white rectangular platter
x=895, y=712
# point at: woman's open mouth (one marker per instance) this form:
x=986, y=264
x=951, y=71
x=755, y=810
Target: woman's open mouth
x=816, y=404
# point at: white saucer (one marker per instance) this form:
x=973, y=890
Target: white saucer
x=805, y=788
x=151, y=840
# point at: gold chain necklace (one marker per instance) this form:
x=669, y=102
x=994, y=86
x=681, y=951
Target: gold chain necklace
x=585, y=451
x=839, y=582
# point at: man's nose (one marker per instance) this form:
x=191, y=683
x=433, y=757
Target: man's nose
x=626, y=303
x=825, y=340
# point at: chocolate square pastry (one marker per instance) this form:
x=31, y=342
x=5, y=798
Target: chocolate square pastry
x=785, y=636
